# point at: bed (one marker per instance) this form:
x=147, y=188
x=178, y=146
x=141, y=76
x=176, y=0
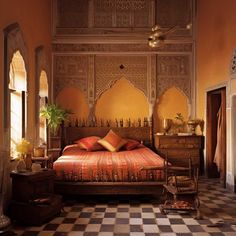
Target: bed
x=103, y=172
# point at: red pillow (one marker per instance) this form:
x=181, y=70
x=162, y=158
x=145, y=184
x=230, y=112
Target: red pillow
x=90, y=143
x=131, y=144
x=112, y=142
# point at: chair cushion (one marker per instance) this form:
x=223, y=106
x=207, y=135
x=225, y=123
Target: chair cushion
x=182, y=181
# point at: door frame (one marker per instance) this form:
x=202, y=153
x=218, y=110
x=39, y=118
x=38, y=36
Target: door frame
x=208, y=142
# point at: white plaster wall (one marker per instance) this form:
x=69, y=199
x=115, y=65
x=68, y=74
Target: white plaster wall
x=231, y=134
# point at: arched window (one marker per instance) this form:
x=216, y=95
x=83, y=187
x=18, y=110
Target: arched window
x=17, y=86
x=43, y=99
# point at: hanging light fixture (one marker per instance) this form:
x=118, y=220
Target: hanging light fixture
x=158, y=36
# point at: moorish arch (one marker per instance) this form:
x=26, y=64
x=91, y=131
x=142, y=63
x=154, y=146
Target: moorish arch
x=13, y=42
x=42, y=91
x=122, y=100
x=167, y=107
x=73, y=99
x=17, y=87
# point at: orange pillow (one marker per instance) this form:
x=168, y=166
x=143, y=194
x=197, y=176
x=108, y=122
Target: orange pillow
x=112, y=142
x=90, y=143
x=131, y=144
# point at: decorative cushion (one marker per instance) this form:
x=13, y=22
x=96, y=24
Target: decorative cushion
x=112, y=142
x=90, y=143
x=182, y=181
x=131, y=144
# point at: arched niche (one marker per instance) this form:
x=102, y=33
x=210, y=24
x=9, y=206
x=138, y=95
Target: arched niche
x=13, y=42
x=17, y=74
x=73, y=99
x=42, y=88
x=122, y=101
x=171, y=102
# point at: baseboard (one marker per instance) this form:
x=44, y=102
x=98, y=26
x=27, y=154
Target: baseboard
x=231, y=188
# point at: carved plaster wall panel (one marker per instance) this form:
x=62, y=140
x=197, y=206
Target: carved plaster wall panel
x=171, y=12
x=91, y=82
x=121, y=13
x=72, y=13
x=70, y=70
x=126, y=48
x=108, y=69
x=233, y=66
x=102, y=13
x=174, y=70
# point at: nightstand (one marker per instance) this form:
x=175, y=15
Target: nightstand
x=180, y=148
x=33, y=201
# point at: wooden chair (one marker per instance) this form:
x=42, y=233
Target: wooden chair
x=181, y=188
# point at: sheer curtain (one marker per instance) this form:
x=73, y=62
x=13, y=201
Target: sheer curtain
x=218, y=158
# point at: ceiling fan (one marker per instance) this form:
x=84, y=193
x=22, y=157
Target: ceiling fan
x=158, y=36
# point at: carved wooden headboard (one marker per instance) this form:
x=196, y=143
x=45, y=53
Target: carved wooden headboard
x=71, y=134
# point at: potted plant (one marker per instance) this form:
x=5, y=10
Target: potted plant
x=54, y=116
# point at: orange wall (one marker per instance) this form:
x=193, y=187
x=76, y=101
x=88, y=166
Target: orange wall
x=216, y=40
x=76, y=103
x=34, y=18
x=168, y=107
x=122, y=101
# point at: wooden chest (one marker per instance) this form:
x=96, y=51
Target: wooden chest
x=181, y=148
x=33, y=200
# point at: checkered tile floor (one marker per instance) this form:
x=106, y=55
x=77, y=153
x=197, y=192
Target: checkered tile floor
x=140, y=216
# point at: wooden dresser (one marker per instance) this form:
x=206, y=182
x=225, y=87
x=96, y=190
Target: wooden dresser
x=180, y=148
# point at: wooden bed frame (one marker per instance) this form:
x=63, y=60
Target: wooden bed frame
x=143, y=134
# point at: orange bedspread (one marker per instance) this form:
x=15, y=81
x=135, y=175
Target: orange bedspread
x=79, y=165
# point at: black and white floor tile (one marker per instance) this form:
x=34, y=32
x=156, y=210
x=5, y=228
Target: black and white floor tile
x=141, y=216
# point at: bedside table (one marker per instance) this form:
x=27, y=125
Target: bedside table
x=33, y=200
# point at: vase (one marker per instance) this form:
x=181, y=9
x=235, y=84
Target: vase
x=28, y=162
x=21, y=165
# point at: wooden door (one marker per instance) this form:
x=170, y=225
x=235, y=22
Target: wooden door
x=215, y=99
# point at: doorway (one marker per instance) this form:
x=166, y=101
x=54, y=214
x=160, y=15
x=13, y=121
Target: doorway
x=216, y=135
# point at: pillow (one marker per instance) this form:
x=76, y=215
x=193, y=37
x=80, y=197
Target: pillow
x=112, y=142
x=131, y=144
x=90, y=143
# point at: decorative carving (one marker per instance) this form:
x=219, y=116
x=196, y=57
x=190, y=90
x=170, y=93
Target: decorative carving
x=70, y=71
x=173, y=65
x=173, y=70
x=152, y=98
x=91, y=80
x=121, y=13
x=233, y=66
x=171, y=12
x=72, y=13
x=111, y=48
x=107, y=70
x=114, y=30
x=15, y=42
